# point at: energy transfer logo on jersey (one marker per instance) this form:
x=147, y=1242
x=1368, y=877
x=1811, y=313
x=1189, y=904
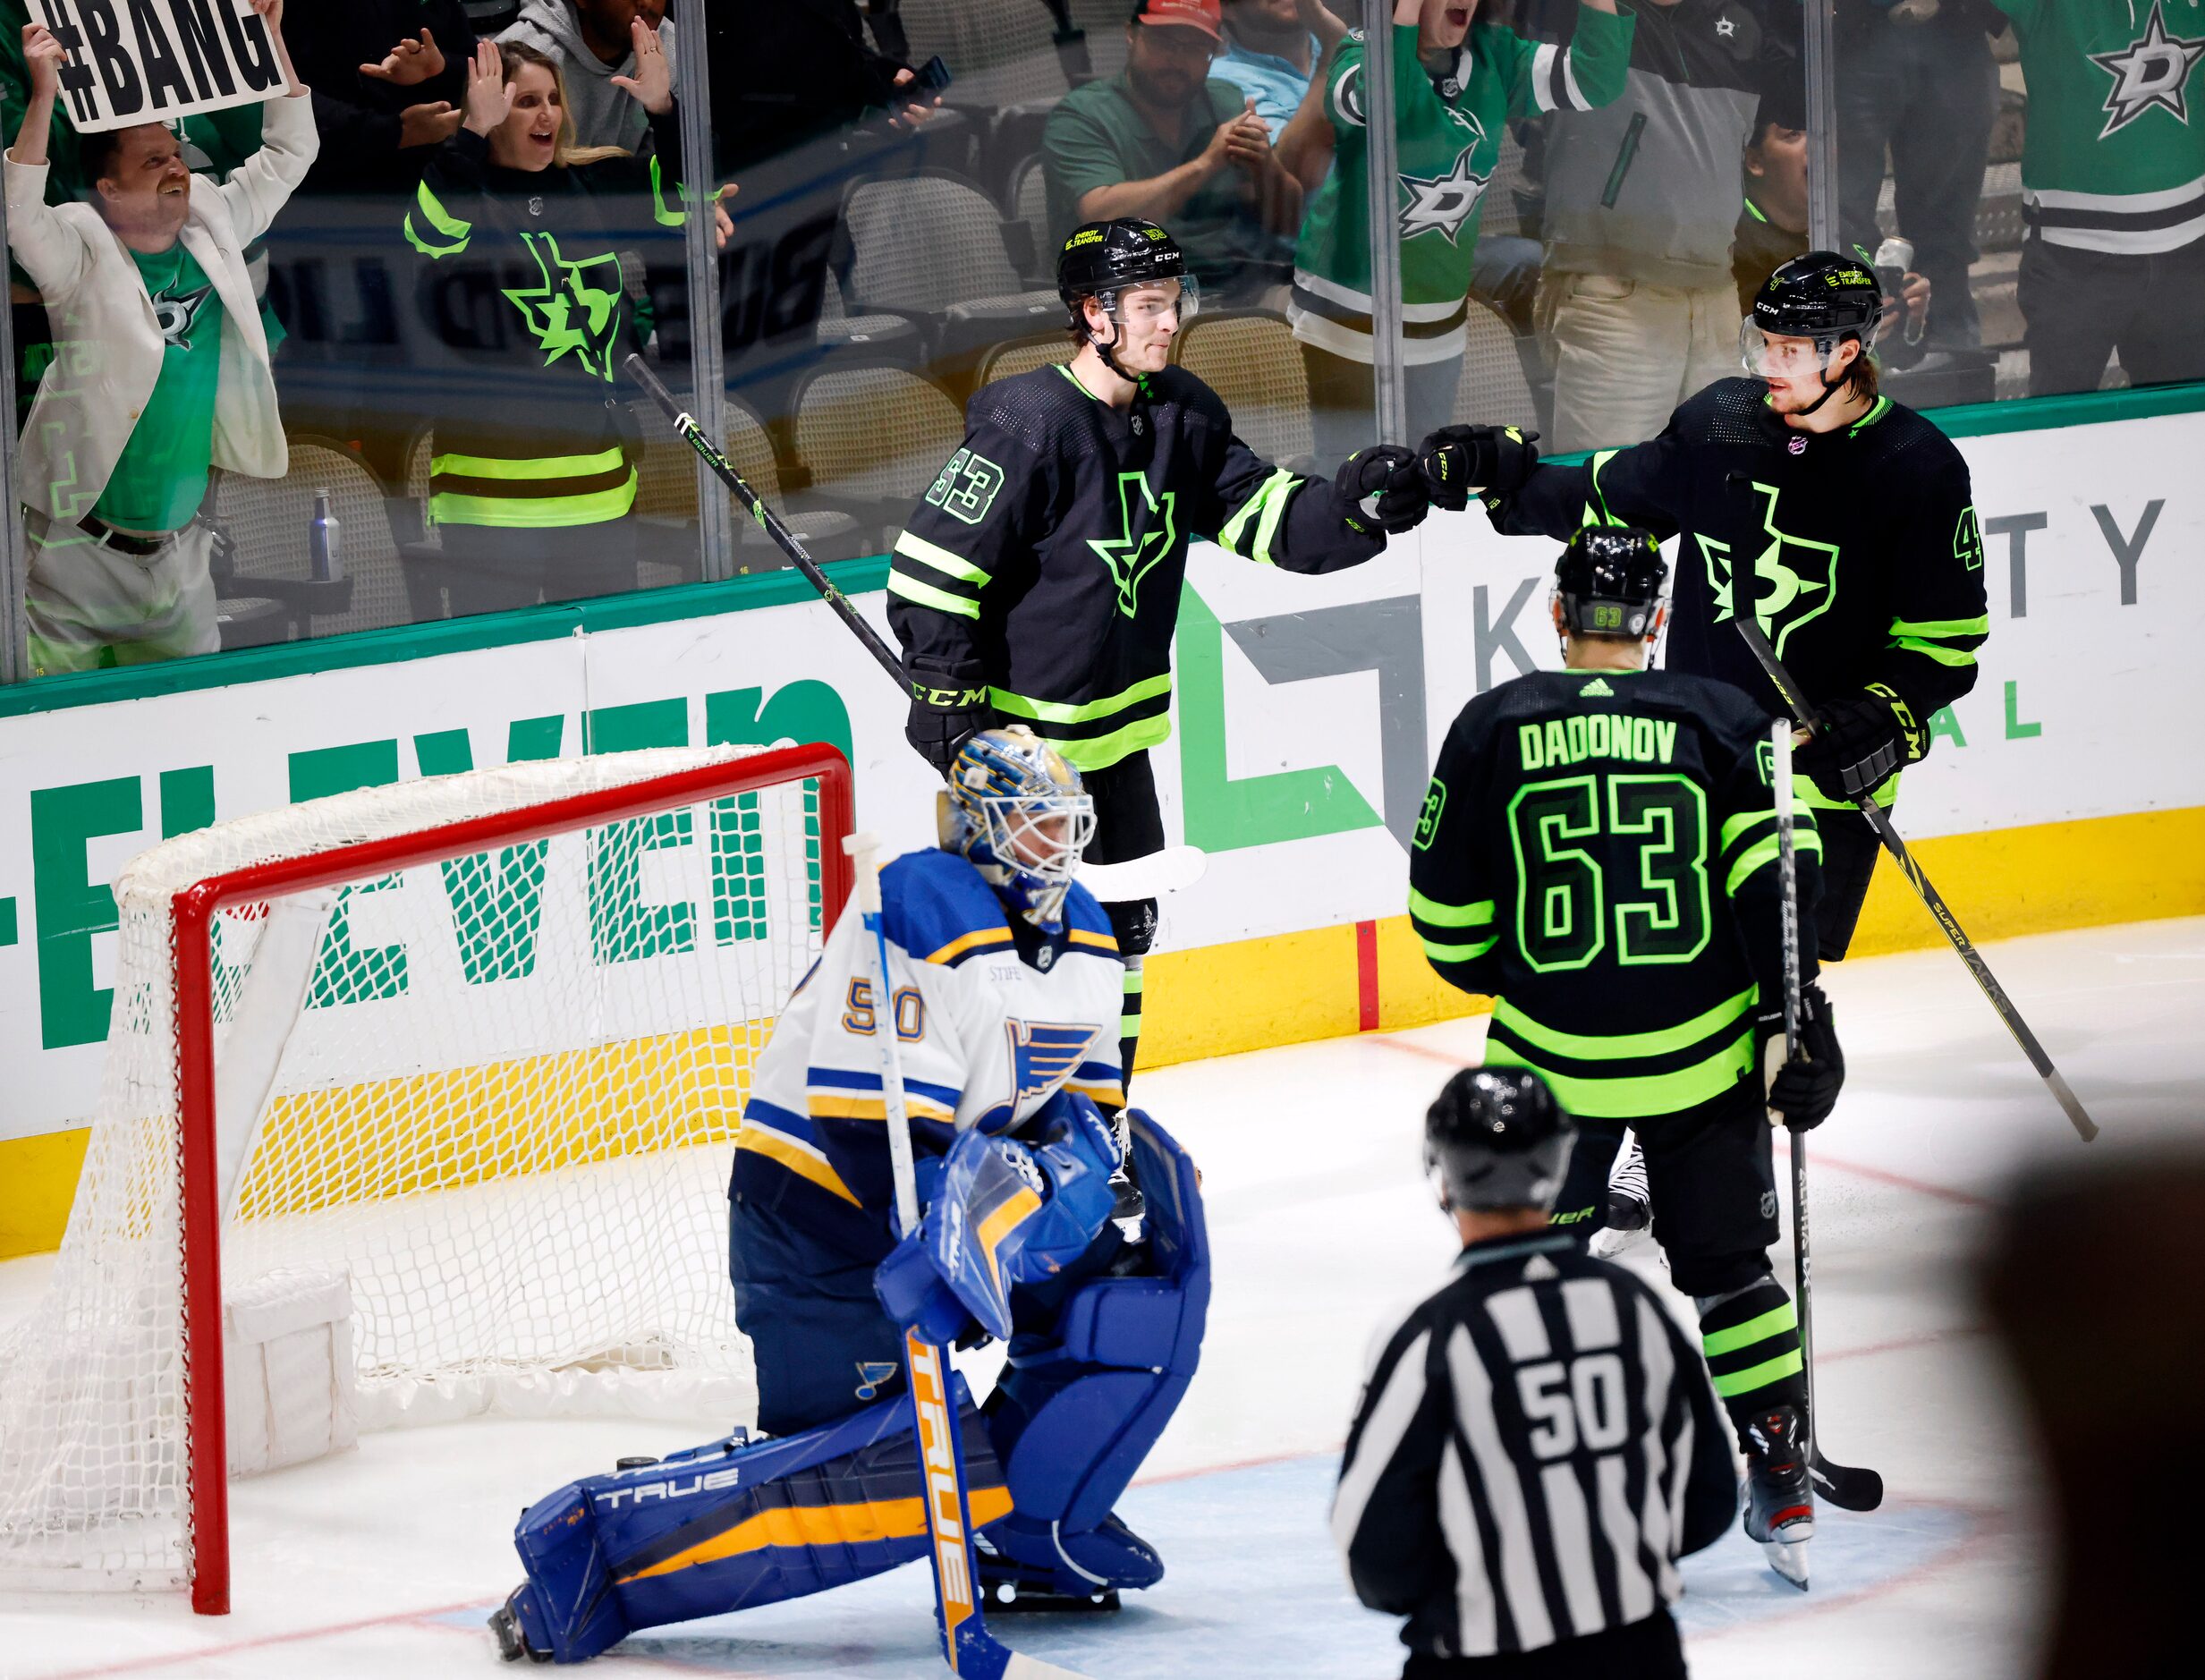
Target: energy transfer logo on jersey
x=1133, y=555
x=2152, y=70
x=568, y=315
x=1793, y=580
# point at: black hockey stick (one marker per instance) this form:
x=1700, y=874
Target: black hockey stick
x=767, y=519
x=1796, y=701
x=1845, y=1486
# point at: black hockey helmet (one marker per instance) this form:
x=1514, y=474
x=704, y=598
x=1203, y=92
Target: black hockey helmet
x=1495, y=1138
x=1821, y=297
x=1609, y=580
x=1102, y=258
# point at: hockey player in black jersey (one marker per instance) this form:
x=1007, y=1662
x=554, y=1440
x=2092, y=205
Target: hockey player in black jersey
x=1038, y=581
x=1598, y=853
x=1541, y=1404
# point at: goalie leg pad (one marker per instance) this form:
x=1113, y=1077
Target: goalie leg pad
x=1079, y=1407
x=733, y=1524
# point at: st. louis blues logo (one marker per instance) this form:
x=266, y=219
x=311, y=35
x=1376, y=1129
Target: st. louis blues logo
x=1043, y=1053
x=871, y=1374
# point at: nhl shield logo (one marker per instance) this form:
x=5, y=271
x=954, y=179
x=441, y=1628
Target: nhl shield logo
x=1787, y=580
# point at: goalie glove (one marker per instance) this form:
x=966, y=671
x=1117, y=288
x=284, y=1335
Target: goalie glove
x=1801, y=1093
x=947, y=707
x=1858, y=742
x=1459, y=461
x=1383, y=485
x=1007, y=1212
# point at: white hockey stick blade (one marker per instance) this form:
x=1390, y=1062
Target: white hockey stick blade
x=1152, y=877
x=1023, y=1667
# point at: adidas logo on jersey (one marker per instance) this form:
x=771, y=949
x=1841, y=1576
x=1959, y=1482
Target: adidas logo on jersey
x=1597, y=688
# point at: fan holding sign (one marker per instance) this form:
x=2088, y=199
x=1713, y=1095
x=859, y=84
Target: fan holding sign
x=162, y=371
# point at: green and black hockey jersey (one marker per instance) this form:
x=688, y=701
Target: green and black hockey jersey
x=1597, y=852
x=1449, y=136
x=1045, y=564
x=2114, y=158
x=1858, y=550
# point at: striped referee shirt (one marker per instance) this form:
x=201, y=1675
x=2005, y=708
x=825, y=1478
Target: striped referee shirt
x=1536, y=1448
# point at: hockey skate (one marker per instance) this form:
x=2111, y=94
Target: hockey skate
x=1034, y=1568
x=1630, y=1209
x=1779, y=1508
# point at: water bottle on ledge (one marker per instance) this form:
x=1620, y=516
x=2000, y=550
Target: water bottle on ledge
x=325, y=559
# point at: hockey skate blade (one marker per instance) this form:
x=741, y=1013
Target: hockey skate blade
x=1152, y=877
x=1788, y=1559
x=1609, y=1244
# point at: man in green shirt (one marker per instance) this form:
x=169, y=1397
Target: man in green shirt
x=1165, y=141
x=161, y=371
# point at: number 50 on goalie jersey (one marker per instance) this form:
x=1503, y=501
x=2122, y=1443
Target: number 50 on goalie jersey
x=1598, y=852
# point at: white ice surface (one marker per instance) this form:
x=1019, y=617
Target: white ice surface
x=385, y=1561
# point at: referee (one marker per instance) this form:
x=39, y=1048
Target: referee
x=1538, y=1444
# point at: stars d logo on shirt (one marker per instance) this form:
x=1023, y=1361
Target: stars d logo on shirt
x=178, y=313
x=2151, y=70
x=567, y=315
x=1133, y=555
x=1442, y=204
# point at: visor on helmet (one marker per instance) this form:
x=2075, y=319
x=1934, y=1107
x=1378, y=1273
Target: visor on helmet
x=1781, y=358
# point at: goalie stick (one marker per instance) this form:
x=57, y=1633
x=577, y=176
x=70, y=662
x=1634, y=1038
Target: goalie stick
x=1796, y=701
x=1846, y=1487
x=967, y=1646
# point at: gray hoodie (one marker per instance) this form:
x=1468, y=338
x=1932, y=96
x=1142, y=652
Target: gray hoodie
x=604, y=115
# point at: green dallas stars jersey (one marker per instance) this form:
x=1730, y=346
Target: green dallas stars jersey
x=1045, y=562
x=1448, y=142
x=528, y=296
x=2114, y=158
x=1859, y=550
x=1597, y=852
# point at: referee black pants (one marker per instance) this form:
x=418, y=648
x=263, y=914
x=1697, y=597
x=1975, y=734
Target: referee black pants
x=1650, y=1650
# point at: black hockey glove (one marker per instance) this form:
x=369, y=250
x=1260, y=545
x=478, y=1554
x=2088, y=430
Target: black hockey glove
x=1804, y=1092
x=1459, y=461
x=1858, y=742
x=947, y=707
x=1387, y=472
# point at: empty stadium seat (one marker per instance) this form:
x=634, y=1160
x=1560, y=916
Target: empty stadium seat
x=1028, y=202
x=1023, y=355
x=267, y=521
x=927, y=243
x=1249, y=358
x=871, y=439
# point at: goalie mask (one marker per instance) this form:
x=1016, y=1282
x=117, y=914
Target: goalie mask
x=1017, y=810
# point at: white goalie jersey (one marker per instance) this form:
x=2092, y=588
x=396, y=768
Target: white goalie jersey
x=987, y=1034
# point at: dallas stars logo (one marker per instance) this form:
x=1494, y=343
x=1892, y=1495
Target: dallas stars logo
x=567, y=314
x=2153, y=69
x=178, y=313
x=1132, y=557
x=1441, y=204
x=1793, y=580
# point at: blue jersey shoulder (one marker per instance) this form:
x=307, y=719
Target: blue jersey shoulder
x=938, y=907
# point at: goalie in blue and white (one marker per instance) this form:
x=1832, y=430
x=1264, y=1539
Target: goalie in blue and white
x=1004, y=992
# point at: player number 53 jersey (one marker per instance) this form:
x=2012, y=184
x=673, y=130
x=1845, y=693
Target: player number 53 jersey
x=987, y=1032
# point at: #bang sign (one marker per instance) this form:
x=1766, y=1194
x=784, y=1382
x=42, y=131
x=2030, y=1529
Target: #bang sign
x=153, y=61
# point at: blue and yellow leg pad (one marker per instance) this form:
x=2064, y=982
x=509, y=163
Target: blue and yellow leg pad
x=733, y=1524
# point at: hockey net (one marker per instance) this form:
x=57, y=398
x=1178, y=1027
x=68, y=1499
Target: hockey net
x=477, y=1044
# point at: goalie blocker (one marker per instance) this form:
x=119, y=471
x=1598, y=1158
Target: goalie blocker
x=739, y=1523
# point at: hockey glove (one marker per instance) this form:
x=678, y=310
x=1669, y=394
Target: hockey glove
x=1458, y=461
x=946, y=708
x=1801, y=1093
x=1388, y=473
x=1858, y=741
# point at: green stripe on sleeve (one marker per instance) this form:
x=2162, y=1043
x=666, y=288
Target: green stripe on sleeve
x=1085, y=711
x=664, y=214
x=1761, y=1375
x=1944, y=628
x=1933, y=651
x=1805, y=842
x=929, y=554
x=1263, y=510
x=1599, y=459
x=1733, y=827
x=1773, y=1322
x=1439, y=952
x=1430, y=909
x=456, y=234
x=925, y=595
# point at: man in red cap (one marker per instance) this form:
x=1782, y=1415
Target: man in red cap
x=1165, y=141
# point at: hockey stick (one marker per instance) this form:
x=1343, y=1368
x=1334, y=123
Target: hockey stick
x=1794, y=699
x=767, y=519
x=967, y=1646
x=1845, y=1486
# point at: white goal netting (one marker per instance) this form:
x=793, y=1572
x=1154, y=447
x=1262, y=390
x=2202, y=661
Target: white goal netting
x=497, y=1094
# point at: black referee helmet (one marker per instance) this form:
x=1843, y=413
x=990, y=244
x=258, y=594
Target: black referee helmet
x=1495, y=1138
